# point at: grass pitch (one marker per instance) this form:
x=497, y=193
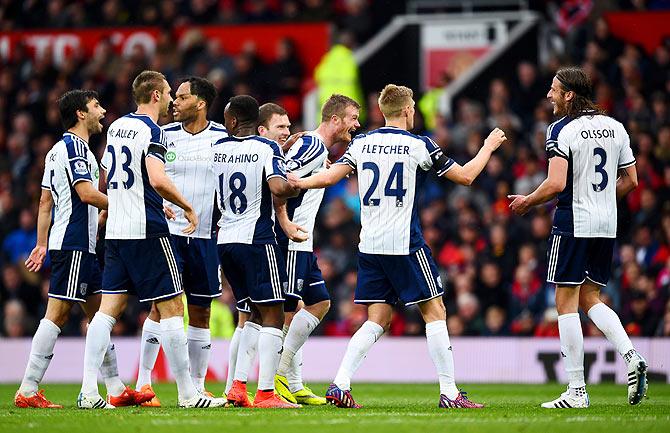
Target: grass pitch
x=387, y=408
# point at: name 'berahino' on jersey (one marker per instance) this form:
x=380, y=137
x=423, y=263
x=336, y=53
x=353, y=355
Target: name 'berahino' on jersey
x=392, y=164
x=75, y=223
x=307, y=156
x=188, y=163
x=243, y=166
x=135, y=208
x=596, y=147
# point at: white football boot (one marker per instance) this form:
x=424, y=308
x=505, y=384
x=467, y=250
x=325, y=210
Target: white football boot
x=92, y=402
x=203, y=402
x=637, y=379
x=568, y=400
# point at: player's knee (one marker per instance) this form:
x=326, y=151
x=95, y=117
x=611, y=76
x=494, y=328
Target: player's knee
x=319, y=309
x=198, y=316
x=170, y=307
x=57, y=318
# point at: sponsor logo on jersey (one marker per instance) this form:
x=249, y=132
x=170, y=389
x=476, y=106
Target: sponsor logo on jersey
x=96, y=173
x=170, y=156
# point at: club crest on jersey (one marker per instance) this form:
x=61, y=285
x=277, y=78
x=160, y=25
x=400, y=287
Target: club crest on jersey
x=170, y=156
x=80, y=167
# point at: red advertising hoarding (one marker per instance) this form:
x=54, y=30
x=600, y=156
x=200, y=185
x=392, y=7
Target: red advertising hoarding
x=311, y=40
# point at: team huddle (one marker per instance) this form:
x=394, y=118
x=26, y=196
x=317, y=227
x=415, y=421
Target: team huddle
x=164, y=186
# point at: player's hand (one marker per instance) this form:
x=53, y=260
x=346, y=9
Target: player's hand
x=169, y=213
x=36, y=258
x=295, y=232
x=293, y=180
x=192, y=219
x=495, y=139
x=519, y=204
x=291, y=141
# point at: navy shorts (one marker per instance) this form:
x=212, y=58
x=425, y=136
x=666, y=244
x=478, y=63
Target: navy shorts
x=386, y=279
x=144, y=267
x=572, y=260
x=304, y=279
x=257, y=273
x=199, y=268
x=74, y=275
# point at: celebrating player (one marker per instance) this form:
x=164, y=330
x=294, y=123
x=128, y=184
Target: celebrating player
x=70, y=184
x=587, y=149
x=274, y=125
x=250, y=170
x=305, y=282
x=188, y=165
x=139, y=253
x=394, y=261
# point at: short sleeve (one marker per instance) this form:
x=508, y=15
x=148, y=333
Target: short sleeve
x=433, y=156
x=157, y=143
x=307, y=156
x=351, y=154
x=77, y=163
x=626, y=157
x=46, y=177
x=275, y=164
x=557, y=145
x=106, y=160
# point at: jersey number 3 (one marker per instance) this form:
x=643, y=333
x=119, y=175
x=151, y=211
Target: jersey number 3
x=111, y=183
x=600, y=168
x=395, y=177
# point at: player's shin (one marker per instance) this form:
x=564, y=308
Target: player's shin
x=300, y=329
x=174, y=344
x=294, y=373
x=609, y=324
x=572, y=349
x=357, y=350
x=232, y=357
x=439, y=348
x=97, y=342
x=41, y=353
x=110, y=372
x=149, y=348
x=199, y=348
x=269, y=350
x=247, y=350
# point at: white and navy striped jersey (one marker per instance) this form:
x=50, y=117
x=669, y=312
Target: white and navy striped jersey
x=243, y=166
x=596, y=147
x=75, y=223
x=135, y=208
x=392, y=164
x=306, y=157
x=188, y=163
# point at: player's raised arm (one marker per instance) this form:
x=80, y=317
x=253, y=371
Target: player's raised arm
x=328, y=177
x=165, y=188
x=466, y=174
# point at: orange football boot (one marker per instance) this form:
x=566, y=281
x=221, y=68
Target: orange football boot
x=270, y=400
x=154, y=402
x=37, y=400
x=238, y=395
x=130, y=397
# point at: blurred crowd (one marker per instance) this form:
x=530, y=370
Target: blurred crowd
x=493, y=263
